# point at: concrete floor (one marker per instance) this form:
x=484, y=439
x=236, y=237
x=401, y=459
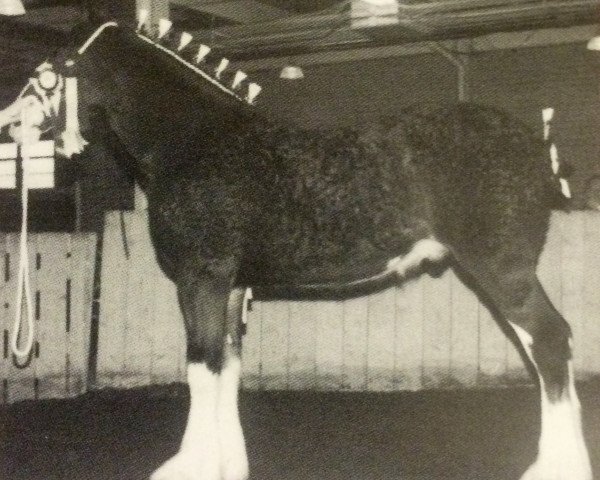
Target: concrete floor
x=458, y=435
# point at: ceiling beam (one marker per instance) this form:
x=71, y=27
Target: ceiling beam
x=299, y=34
x=490, y=42
x=240, y=11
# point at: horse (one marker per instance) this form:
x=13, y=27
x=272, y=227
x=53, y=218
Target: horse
x=238, y=200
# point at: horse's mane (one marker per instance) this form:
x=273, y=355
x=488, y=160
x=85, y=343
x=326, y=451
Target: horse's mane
x=179, y=67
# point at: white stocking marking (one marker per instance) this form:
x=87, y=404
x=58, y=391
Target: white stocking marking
x=198, y=457
x=234, y=462
x=562, y=453
x=426, y=248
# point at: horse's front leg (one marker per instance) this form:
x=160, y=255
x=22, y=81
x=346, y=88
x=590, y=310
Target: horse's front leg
x=212, y=447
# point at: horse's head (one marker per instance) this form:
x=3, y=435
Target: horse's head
x=37, y=107
x=151, y=90
x=48, y=103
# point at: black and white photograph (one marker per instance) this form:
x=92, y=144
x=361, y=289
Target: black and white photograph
x=300, y=239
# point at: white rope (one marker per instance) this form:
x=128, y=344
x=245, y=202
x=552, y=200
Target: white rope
x=23, y=285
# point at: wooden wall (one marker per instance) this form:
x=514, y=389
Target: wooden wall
x=141, y=339
x=61, y=276
x=429, y=333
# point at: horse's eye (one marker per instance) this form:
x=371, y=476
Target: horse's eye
x=48, y=79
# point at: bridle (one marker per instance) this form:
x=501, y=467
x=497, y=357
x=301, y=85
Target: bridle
x=50, y=100
x=38, y=102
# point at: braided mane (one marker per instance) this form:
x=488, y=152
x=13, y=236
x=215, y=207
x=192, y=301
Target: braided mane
x=192, y=67
x=164, y=41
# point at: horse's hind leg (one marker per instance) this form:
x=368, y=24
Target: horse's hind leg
x=515, y=291
x=212, y=447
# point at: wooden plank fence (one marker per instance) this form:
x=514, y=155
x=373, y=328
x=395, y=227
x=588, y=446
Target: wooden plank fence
x=428, y=333
x=61, y=279
x=141, y=339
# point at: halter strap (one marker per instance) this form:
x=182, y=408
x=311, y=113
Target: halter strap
x=95, y=35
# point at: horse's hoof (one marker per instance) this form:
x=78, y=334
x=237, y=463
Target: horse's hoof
x=558, y=469
x=186, y=466
x=235, y=467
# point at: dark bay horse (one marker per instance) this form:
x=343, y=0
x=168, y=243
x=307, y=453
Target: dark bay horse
x=237, y=201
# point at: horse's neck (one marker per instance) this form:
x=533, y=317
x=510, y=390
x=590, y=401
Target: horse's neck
x=115, y=145
x=152, y=137
x=161, y=122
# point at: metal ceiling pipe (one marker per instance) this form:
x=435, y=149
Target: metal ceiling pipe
x=472, y=8
x=454, y=19
x=442, y=6
x=460, y=62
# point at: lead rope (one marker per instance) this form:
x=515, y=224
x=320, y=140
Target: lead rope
x=23, y=275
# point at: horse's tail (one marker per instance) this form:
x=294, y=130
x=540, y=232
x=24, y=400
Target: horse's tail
x=558, y=200
x=560, y=192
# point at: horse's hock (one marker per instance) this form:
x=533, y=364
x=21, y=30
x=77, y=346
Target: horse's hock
x=427, y=333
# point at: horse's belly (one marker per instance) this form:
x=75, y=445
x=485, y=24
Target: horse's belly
x=353, y=270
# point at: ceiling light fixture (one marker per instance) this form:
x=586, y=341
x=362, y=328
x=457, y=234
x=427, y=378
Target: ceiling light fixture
x=11, y=7
x=374, y=13
x=594, y=43
x=291, y=72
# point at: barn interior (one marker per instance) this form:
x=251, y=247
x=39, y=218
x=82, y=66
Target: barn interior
x=422, y=378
